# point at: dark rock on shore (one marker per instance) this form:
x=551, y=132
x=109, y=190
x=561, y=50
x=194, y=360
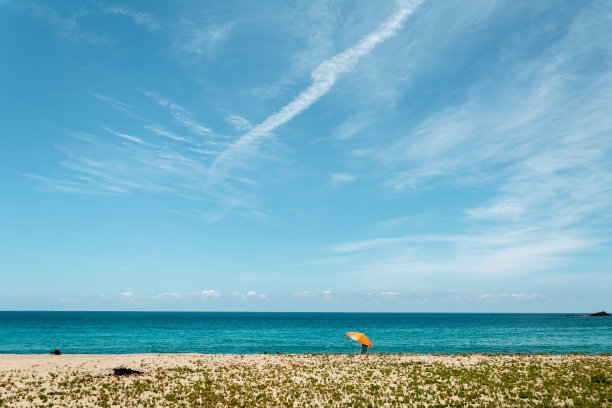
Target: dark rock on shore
x=602, y=313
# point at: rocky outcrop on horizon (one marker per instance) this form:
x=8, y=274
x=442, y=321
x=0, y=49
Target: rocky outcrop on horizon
x=602, y=313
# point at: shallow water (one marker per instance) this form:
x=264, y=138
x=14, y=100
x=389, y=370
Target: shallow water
x=244, y=333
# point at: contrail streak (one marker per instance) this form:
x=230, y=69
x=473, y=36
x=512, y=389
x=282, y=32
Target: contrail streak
x=324, y=77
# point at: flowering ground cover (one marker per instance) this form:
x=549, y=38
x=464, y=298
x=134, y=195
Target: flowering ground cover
x=374, y=380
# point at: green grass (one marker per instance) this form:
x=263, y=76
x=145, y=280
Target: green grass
x=333, y=380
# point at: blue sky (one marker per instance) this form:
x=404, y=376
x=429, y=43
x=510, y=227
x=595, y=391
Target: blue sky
x=306, y=156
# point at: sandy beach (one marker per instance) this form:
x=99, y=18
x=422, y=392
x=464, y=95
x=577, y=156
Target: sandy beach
x=194, y=380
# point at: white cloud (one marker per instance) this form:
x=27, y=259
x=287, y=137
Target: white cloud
x=487, y=254
x=328, y=260
x=251, y=294
x=160, y=130
x=310, y=295
x=536, y=137
x=312, y=30
x=352, y=126
x=160, y=161
x=194, y=39
x=165, y=161
x=341, y=178
x=324, y=77
x=125, y=136
x=343, y=296
x=501, y=209
x=495, y=297
x=208, y=293
x=171, y=295
x=529, y=138
x=68, y=27
x=399, y=221
x=371, y=243
x=141, y=19
x=181, y=115
x=120, y=106
x=203, y=294
x=306, y=293
x=238, y=122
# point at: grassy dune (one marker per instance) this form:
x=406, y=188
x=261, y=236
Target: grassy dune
x=377, y=380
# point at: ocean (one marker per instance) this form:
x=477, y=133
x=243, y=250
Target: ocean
x=247, y=333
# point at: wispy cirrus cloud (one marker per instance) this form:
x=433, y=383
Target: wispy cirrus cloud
x=161, y=131
x=238, y=122
x=195, y=165
x=339, y=179
x=125, y=136
x=120, y=106
x=155, y=160
x=198, y=39
x=181, y=115
x=313, y=27
x=324, y=77
x=371, y=243
x=140, y=18
x=149, y=158
x=352, y=126
x=66, y=24
x=531, y=139
x=535, y=134
x=464, y=257
x=69, y=22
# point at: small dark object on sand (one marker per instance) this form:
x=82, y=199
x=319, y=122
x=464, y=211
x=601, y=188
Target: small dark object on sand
x=125, y=371
x=56, y=352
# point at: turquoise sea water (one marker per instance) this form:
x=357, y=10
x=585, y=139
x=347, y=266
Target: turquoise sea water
x=212, y=332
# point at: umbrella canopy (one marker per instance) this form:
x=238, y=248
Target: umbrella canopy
x=360, y=337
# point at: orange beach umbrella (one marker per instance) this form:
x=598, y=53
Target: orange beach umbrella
x=360, y=337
